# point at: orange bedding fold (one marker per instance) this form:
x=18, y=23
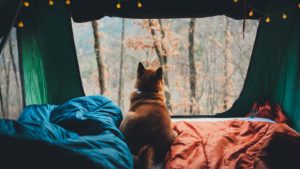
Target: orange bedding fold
x=233, y=144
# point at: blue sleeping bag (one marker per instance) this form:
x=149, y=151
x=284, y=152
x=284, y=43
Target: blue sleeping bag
x=81, y=133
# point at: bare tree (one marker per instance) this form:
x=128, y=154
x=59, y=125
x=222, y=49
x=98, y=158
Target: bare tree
x=15, y=73
x=7, y=83
x=7, y=88
x=192, y=64
x=162, y=54
x=14, y=64
x=99, y=59
x=228, y=67
x=121, y=80
x=1, y=101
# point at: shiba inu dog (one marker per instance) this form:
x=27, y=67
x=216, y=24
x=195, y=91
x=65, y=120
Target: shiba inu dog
x=147, y=125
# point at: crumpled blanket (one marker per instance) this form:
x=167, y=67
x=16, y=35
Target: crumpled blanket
x=233, y=144
x=81, y=133
x=267, y=110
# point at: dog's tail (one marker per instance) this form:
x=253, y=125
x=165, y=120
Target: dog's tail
x=144, y=158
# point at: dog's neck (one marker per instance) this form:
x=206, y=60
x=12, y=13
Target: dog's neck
x=139, y=92
x=140, y=97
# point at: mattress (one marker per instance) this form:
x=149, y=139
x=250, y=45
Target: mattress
x=258, y=119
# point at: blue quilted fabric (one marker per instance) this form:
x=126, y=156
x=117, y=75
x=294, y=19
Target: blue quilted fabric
x=81, y=133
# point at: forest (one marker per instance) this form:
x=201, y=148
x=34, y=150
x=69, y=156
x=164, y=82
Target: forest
x=205, y=61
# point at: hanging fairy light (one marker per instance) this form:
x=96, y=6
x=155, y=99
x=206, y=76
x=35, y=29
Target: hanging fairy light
x=51, y=2
x=139, y=4
x=284, y=16
x=251, y=13
x=26, y=4
x=268, y=19
x=267, y=16
x=20, y=24
x=68, y=2
x=118, y=5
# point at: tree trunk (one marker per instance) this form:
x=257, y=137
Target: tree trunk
x=192, y=64
x=163, y=58
x=1, y=101
x=14, y=66
x=7, y=95
x=165, y=65
x=121, y=80
x=228, y=68
x=5, y=100
x=14, y=63
x=99, y=59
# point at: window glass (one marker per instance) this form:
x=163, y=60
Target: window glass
x=220, y=55
x=11, y=102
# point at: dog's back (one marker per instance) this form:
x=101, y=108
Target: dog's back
x=147, y=125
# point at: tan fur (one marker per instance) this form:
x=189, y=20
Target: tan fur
x=147, y=125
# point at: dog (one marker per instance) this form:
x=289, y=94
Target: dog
x=147, y=126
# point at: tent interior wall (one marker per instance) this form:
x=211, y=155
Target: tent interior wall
x=50, y=68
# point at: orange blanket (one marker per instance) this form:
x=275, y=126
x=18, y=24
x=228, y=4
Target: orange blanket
x=233, y=144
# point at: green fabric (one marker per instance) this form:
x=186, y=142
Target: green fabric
x=49, y=62
x=274, y=70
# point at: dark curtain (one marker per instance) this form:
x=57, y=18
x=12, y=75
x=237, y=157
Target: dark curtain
x=8, y=15
x=274, y=70
x=88, y=10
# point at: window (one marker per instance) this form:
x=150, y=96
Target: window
x=11, y=102
x=221, y=57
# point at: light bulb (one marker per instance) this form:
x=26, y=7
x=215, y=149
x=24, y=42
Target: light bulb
x=251, y=13
x=268, y=19
x=26, y=4
x=139, y=4
x=21, y=24
x=284, y=16
x=118, y=5
x=68, y=2
x=51, y=2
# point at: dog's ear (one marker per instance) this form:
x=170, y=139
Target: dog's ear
x=140, y=69
x=159, y=73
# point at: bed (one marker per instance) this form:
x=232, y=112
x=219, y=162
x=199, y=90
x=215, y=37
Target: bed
x=81, y=133
x=228, y=143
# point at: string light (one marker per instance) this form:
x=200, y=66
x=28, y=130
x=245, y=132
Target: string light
x=26, y=4
x=20, y=24
x=139, y=4
x=266, y=15
x=68, y=2
x=118, y=5
x=51, y=2
x=268, y=19
x=284, y=16
x=251, y=13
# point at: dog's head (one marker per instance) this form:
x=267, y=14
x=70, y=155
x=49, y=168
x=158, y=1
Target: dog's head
x=149, y=80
